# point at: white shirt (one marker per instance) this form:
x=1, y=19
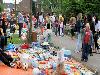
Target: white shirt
x=41, y=19
x=97, y=26
x=52, y=19
x=61, y=24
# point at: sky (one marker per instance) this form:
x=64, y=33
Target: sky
x=11, y=1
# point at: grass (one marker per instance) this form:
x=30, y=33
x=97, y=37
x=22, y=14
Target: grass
x=16, y=39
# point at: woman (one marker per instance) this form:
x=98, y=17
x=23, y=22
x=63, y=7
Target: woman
x=72, y=25
x=78, y=27
x=56, y=26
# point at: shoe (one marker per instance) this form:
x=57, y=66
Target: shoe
x=86, y=60
x=91, y=54
x=82, y=59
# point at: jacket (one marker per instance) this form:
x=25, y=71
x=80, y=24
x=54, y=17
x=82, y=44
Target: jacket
x=91, y=41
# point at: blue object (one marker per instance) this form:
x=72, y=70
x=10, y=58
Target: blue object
x=67, y=53
x=54, y=65
x=68, y=67
x=35, y=44
x=10, y=47
x=34, y=63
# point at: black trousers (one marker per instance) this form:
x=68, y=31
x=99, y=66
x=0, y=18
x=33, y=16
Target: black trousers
x=96, y=44
x=20, y=28
x=6, y=59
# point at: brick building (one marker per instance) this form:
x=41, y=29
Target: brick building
x=24, y=5
x=1, y=1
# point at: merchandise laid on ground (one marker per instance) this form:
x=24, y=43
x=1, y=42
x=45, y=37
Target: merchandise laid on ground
x=42, y=59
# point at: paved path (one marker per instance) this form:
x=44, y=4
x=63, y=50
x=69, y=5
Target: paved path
x=66, y=42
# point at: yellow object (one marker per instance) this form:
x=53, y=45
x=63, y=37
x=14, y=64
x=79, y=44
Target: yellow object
x=61, y=18
x=76, y=73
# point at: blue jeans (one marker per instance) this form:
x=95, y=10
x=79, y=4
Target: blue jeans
x=85, y=51
x=78, y=45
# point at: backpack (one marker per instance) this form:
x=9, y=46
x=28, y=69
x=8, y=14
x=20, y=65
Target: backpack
x=87, y=37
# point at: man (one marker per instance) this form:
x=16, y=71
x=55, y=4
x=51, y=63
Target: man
x=20, y=22
x=41, y=19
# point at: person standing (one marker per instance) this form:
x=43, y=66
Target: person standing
x=61, y=19
x=96, y=37
x=56, y=26
x=4, y=23
x=72, y=23
x=41, y=19
x=78, y=28
x=87, y=42
x=20, y=22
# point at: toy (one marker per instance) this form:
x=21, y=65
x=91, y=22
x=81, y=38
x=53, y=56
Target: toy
x=36, y=71
x=18, y=64
x=25, y=66
x=10, y=47
x=25, y=46
x=23, y=37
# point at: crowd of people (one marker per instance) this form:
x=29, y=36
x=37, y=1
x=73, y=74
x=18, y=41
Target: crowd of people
x=87, y=34
x=87, y=31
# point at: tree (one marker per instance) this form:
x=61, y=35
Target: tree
x=72, y=7
x=33, y=8
x=1, y=7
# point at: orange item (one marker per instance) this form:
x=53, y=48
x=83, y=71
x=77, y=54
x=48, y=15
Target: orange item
x=42, y=62
x=42, y=30
x=46, y=71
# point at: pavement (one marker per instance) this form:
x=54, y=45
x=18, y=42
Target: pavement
x=69, y=44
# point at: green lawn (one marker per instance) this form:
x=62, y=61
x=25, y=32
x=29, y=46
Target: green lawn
x=16, y=39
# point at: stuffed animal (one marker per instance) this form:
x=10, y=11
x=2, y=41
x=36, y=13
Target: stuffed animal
x=25, y=46
x=36, y=71
x=23, y=37
x=18, y=64
x=25, y=66
x=11, y=47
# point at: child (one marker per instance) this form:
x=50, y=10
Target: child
x=96, y=37
x=87, y=43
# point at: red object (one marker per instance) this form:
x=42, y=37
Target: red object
x=87, y=37
x=24, y=25
x=46, y=71
x=25, y=46
x=42, y=62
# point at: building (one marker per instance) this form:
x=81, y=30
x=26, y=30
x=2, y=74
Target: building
x=1, y=1
x=24, y=5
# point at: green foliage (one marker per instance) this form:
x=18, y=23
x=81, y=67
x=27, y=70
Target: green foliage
x=73, y=7
x=1, y=7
